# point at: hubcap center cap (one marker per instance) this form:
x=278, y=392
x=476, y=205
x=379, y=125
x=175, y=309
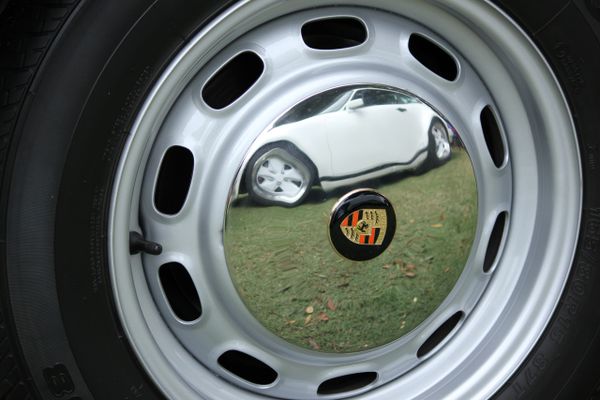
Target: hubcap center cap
x=362, y=225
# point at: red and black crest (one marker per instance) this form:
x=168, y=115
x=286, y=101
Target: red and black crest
x=362, y=225
x=365, y=226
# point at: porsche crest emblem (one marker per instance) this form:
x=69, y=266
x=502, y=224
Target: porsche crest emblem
x=362, y=225
x=365, y=226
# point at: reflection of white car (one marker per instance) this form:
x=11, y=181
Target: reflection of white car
x=342, y=137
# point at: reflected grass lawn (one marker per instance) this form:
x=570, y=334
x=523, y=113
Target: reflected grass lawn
x=293, y=281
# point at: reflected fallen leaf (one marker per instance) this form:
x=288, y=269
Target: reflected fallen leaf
x=291, y=322
x=414, y=299
x=410, y=274
x=437, y=225
x=307, y=320
x=309, y=309
x=314, y=344
x=323, y=317
x=330, y=304
x=446, y=269
x=386, y=266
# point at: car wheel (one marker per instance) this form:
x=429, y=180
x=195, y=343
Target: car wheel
x=125, y=127
x=438, y=148
x=279, y=175
x=439, y=134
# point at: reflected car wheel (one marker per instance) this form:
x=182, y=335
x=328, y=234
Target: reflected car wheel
x=279, y=174
x=441, y=140
x=439, y=144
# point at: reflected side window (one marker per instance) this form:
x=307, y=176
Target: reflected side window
x=326, y=102
x=378, y=97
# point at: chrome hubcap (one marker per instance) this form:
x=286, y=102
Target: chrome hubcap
x=316, y=296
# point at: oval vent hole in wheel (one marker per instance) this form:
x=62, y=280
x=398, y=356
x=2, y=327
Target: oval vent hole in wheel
x=334, y=33
x=494, y=242
x=247, y=367
x=347, y=383
x=440, y=334
x=233, y=80
x=174, y=180
x=492, y=135
x=180, y=291
x=433, y=57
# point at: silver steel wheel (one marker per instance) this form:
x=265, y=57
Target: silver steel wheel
x=278, y=177
x=442, y=143
x=528, y=202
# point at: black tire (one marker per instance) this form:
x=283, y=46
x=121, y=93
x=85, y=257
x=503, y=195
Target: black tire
x=74, y=74
x=296, y=158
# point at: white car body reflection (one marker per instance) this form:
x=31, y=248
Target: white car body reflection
x=349, y=136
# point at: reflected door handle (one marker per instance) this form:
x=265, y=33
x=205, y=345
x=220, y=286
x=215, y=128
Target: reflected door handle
x=401, y=109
